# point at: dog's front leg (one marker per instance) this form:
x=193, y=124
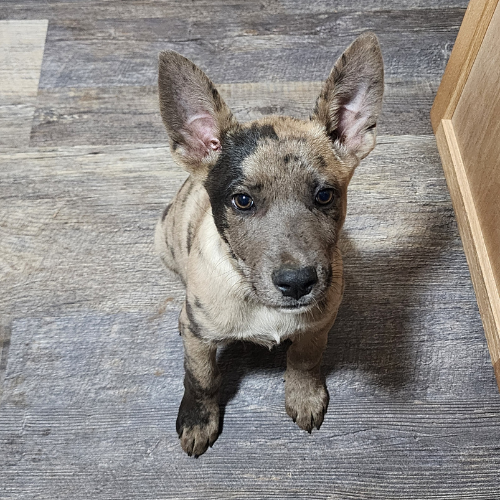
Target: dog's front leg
x=306, y=397
x=198, y=420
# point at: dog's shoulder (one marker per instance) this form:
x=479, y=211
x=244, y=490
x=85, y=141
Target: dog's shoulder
x=178, y=226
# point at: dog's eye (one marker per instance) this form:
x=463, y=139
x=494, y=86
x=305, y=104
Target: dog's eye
x=324, y=197
x=242, y=201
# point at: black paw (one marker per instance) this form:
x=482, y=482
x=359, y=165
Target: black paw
x=197, y=425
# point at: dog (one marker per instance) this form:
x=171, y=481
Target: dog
x=253, y=232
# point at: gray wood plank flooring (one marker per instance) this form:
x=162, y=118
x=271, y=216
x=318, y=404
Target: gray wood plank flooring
x=240, y=49
x=124, y=114
x=90, y=357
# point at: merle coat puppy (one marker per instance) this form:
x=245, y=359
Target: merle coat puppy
x=253, y=231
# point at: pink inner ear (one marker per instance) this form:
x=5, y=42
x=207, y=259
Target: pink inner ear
x=352, y=119
x=201, y=131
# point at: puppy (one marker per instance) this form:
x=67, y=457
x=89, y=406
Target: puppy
x=253, y=231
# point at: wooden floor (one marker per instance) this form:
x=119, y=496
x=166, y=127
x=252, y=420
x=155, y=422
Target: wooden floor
x=91, y=362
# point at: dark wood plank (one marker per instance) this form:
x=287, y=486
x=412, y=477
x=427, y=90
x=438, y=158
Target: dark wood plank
x=124, y=115
x=249, y=48
x=249, y=23
x=200, y=9
x=437, y=451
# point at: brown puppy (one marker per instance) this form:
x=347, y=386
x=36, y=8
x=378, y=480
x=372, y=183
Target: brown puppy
x=253, y=231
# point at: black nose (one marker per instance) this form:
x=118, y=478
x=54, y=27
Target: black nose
x=295, y=282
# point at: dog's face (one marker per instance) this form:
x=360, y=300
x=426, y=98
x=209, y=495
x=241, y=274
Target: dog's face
x=277, y=186
x=278, y=198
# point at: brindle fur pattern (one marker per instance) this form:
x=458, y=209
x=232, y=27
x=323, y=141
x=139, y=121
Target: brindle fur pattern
x=226, y=257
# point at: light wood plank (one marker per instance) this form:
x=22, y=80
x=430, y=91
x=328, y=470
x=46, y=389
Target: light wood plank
x=21, y=53
x=476, y=122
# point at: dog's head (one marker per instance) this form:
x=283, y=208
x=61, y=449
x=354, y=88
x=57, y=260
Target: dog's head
x=277, y=186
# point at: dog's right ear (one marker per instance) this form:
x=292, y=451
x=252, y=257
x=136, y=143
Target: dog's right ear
x=194, y=114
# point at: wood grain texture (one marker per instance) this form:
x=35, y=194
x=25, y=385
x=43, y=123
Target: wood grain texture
x=4, y=349
x=91, y=361
x=21, y=52
x=63, y=209
x=94, y=373
x=124, y=115
x=201, y=9
x=477, y=252
x=245, y=46
x=475, y=24
x=16, y=121
x=250, y=24
x=476, y=121
x=465, y=116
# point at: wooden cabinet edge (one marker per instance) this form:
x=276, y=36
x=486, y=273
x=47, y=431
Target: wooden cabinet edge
x=475, y=250
x=474, y=26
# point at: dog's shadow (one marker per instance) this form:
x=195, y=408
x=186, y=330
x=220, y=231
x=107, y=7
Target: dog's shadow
x=237, y=360
x=378, y=319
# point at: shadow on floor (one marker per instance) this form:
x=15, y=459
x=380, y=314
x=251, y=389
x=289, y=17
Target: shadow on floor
x=239, y=359
x=379, y=317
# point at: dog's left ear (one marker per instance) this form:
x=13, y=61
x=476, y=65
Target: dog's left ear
x=351, y=98
x=194, y=114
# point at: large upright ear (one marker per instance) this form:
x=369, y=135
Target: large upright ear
x=351, y=99
x=192, y=110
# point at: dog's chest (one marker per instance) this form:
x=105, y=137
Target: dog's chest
x=255, y=323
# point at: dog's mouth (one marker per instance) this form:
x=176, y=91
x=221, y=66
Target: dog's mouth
x=294, y=306
x=304, y=304
x=298, y=308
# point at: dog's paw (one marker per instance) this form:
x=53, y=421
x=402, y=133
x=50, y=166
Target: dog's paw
x=198, y=426
x=306, y=400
